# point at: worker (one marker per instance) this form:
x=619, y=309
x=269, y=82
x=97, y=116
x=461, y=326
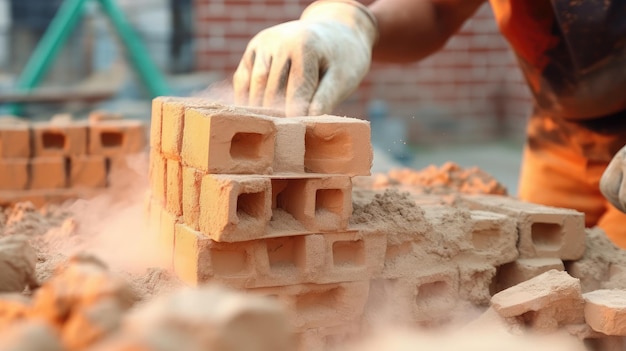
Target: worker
x=572, y=53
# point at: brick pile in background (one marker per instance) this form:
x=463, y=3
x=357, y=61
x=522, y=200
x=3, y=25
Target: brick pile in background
x=63, y=158
x=471, y=90
x=265, y=204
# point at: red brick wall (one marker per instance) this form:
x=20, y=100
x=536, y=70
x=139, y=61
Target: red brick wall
x=472, y=89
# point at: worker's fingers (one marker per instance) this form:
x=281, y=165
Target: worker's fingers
x=276, y=86
x=258, y=79
x=613, y=183
x=241, y=78
x=333, y=87
x=302, y=84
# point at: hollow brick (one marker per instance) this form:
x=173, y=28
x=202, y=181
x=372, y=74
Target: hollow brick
x=543, y=231
x=88, y=172
x=289, y=148
x=115, y=138
x=234, y=207
x=59, y=139
x=337, y=145
x=14, y=138
x=48, y=173
x=525, y=269
x=225, y=142
x=14, y=174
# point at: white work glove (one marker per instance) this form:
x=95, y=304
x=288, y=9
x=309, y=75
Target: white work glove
x=613, y=183
x=308, y=66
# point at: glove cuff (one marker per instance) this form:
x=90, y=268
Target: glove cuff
x=350, y=12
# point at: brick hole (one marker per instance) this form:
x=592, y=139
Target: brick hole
x=547, y=236
x=278, y=188
x=433, y=294
x=53, y=140
x=336, y=146
x=319, y=300
x=528, y=318
x=246, y=146
x=111, y=139
x=287, y=252
x=250, y=205
x=349, y=253
x=482, y=239
x=229, y=262
x=68, y=170
x=329, y=200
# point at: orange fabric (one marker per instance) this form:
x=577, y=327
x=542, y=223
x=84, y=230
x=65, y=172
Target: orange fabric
x=557, y=176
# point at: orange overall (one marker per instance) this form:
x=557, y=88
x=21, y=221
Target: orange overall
x=574, y=130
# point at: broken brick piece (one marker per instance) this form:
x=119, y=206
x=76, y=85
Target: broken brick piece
x=322, y=203
x=88, y=172
x=225, y=142
x=14, y=174
x=48, y=173
x=337, y=145
x=14, y=138
x=113, y=138
x=59, y=139
x=605, y=311
x=524, y=269
x=174, y=187
x=543, y=231
x=234, y=208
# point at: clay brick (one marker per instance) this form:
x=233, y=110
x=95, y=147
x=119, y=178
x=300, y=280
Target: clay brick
x=289, y=260
x=48, y=173
x=224, y=142
x=158, y=177
x=352, y=256
x=59, y=139
x=337, y=145
x=543, y=231
x=88, y=172
x=319, y=203
x=321, y=305
x=234, y=208
x=14, y=174
x=14, y=138
x=198, y=259
x=493, y=237
x=289, y=148
x=525, y=269
x=192, y=183
x=174, y=187
x=115, y=138
x=605, y=311
x=166, y=238
x=156, y=123
x=545, y=302
x=477, y=280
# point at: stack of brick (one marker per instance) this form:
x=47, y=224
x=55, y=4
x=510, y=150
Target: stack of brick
x=257, y=201
x=63, y=158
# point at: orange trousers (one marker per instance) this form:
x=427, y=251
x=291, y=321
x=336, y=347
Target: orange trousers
x=560, y=177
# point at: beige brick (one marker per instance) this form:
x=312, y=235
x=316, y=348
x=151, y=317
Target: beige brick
x=14, y=174
x=224, y=142
x=158, y=177
x=48, y=173
x=321, y=305
x=59, y=139
x=289, y=260
x=174, y=187
x=476, y=282
x=198, y=259
x=320, y=204
x=289, y=148
x=352, y=256
x=192, y=184
x=605, y=311
x=337, y=145
x=493, y=237
x=543, y=231
x=115, y=138
x=88, y=172
x=14, y=138
x=545, y=302
x=166, y=238
x=234, y=208
x=525, y=269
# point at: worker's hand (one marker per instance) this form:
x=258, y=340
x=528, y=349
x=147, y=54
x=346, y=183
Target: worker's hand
x=308, y=66
x=613, y=182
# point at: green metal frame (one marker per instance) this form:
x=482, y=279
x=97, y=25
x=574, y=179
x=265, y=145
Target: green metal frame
x=62, y=25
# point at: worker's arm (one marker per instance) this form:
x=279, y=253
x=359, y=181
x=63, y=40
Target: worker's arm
x=308, y=66
x=409, y=30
